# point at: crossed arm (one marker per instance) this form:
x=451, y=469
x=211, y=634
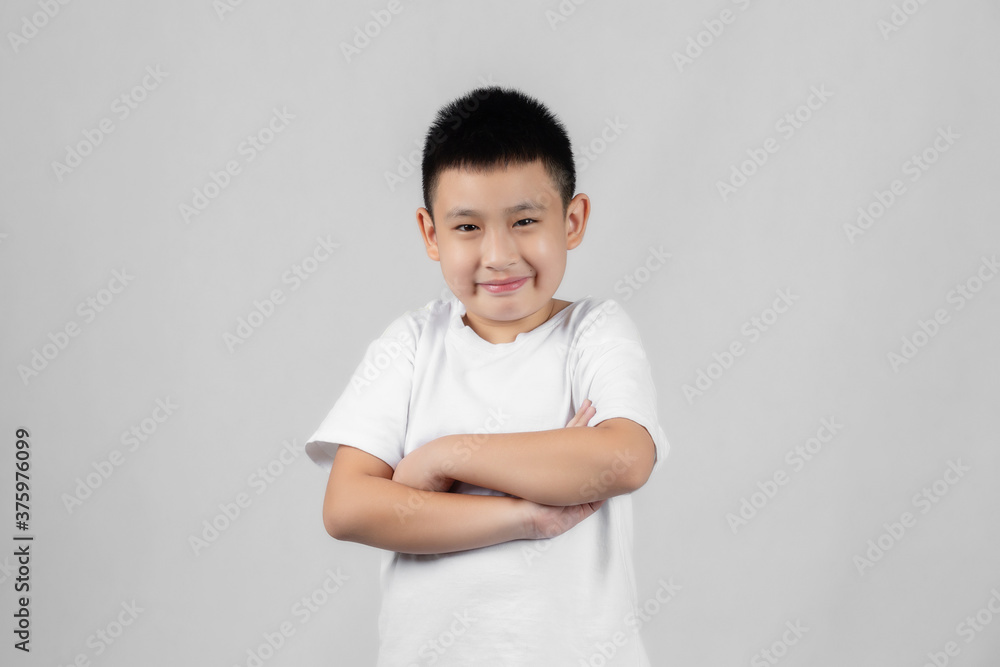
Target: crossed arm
x=565, y=466
x=557, y=477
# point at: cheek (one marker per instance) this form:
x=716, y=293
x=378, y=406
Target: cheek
x=550, y=255
x=451, y=256
x=457, y=265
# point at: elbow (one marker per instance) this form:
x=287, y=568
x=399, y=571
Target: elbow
x=636, y=473
x=638, y=480
x=626, y=473
x=336, y=522
x=631, y=457
x=332, y=526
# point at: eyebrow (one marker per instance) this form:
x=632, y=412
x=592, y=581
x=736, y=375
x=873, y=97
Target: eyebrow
x=526, y=205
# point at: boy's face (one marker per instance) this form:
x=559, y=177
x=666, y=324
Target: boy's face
x=498, y=226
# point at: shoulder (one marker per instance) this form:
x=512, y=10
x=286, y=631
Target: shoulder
x=596, y=321
x=410, y=327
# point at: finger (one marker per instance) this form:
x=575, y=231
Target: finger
x=583, y=415
x=596, y=504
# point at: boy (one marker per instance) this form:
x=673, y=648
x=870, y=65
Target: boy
x=462, y=442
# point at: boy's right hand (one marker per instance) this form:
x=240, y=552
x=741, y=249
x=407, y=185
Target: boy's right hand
x=551, y=520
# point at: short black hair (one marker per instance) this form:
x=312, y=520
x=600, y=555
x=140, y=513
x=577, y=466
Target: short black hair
x=494, y=127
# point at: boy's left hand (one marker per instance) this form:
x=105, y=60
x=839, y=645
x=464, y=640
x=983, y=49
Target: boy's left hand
x=583, y=415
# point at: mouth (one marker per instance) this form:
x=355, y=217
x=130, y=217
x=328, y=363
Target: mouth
x=502, y=286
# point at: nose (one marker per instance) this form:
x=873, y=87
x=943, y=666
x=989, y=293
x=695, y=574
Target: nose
x=499, y=248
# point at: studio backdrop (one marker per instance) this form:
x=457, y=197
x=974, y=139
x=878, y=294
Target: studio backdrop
x=208, y=213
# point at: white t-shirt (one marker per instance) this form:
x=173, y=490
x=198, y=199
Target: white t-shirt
x=568, y=600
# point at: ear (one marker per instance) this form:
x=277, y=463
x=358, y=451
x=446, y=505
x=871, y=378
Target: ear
x=576, y=220
x=428, y=233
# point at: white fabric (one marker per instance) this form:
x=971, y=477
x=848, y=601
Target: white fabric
x=568, y=600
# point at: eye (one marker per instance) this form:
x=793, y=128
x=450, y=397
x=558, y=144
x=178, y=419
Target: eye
x=459, y=228
x=528, y=220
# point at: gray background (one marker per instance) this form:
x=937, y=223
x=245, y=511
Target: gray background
x=654, y=185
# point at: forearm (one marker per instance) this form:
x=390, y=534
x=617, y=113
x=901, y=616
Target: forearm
x=564, y=466
x=388, y=515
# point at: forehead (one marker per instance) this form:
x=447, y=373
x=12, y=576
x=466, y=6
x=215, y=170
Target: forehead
x=495, y=189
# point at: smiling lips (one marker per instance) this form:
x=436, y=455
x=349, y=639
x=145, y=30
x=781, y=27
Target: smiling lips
x=502, y=286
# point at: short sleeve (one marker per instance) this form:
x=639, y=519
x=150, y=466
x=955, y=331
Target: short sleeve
x=612, y=370
x=371, y=412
